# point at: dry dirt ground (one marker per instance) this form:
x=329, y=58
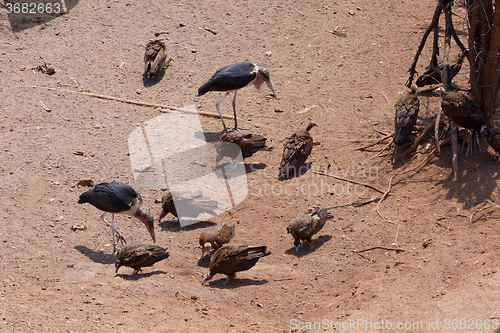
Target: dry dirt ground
x=54, y=279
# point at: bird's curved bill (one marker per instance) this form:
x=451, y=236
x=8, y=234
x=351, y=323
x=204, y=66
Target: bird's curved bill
x=151, y=229
x=270, y=85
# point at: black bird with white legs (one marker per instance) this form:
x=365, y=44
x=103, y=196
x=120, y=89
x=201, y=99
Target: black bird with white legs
x=234, y=77
x=118, y=198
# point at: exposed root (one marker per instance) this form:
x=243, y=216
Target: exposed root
x=376, y=142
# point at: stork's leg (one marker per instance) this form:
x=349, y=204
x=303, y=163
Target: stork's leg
x=234, y=111
x=220, y=114
x=113, y=230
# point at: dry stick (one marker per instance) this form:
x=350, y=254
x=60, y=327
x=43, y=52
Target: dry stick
x=396, y=239
x=435, y=20
x=386, y=193
x=44, y=106
x=380, y=152
x=447, y=46
x=416, y=142
x=7, y=254
x=376, y=142
x=436, y=131
x=490, y=203
x=379, y=247
x=468, y=164
x=208, y=114
x=124, y=290
x=454, y=149
x=348, y=180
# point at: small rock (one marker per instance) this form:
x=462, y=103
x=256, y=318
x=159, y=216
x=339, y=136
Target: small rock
x=181, y=24
x=99, y=303
x=268, y=53
x=22, y=68
x=194, y=298
x=352, y=12
x=93, y=318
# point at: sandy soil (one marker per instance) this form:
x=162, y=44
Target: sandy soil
x=54, y=279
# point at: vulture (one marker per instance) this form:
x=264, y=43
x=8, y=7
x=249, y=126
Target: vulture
x=433, y=73
x=154, y=58
x=493, y=138
x=118, y=198
x=297, y=149
x=462, y=109
x=216, y=236
x=232, y=142
x=192, y=202
x=305, y=225
x=230, y=259
x=406, y=116
x=137, y=256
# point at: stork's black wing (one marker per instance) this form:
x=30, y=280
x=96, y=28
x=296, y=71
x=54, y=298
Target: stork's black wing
x=232, y=77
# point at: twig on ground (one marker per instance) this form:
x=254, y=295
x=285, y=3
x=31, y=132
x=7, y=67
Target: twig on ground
x=381, y=248
x=376, y=142
x=380, y=152
x=8, y=254
x=350, y=181
x=208, y=114
x=44, y=106
x=472, y=167
x=396, y=239
x=124, y=290
x=490, y=204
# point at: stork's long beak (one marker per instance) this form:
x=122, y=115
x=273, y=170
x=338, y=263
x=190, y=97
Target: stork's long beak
x=151, y=228
x=270, y=85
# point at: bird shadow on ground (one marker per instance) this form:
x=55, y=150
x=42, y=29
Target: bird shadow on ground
x=139, y=275
x=252, y=167
x=310, y=247
x=236, y=283
x=174, y=225
x=301, y=171
x=210, y=137
x=205, y=262
x=98, y=257
x=149, y=82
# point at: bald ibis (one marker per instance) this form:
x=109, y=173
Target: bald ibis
x=118, y=198
x=234, y=77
